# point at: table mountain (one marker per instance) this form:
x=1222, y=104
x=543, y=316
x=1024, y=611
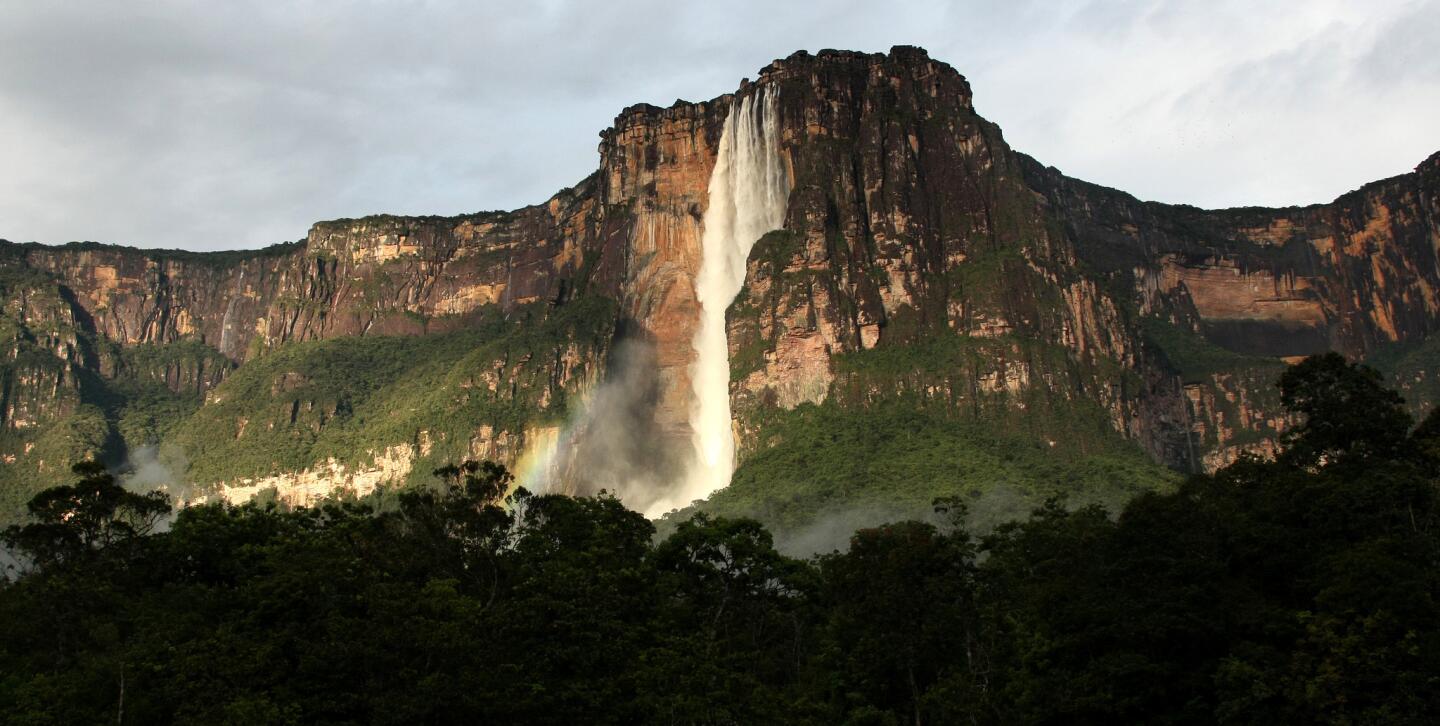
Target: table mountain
x=935, y=314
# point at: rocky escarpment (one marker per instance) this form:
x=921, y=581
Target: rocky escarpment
x=910, y=228
x=655, y=171
x=1352, y=275
x=379, y=275
x=1358, y=275
x=921, y=261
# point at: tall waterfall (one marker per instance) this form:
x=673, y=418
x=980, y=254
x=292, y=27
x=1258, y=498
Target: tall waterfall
x=749, y=190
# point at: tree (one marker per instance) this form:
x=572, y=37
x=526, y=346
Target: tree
x=94, y=513
x=733, y=632
x=903, y=628
x=1349, y=415
x=1426, y=440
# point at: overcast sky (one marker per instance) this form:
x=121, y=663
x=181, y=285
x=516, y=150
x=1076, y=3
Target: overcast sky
x=213, y=125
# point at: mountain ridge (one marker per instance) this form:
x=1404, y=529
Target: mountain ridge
x=910, y=222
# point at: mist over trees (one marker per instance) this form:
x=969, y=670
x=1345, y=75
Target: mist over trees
x=1300, y=590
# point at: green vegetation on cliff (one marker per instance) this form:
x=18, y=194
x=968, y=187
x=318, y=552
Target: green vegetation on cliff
x=818, y=462
x=351, y=398
x=904, y=424
x=47, y=453
x=156, y=387
x=1302, y=590
x=1194, y=357
x=57, y=408
x=1414, y=370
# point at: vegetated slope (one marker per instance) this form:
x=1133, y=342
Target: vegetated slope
x=67, y=392
x=924, y=267
x=1414, y=370
x=1299, y=590
x=351, y=398
x=821, y=472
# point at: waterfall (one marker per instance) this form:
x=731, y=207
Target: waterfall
x=748, y=191
x=227, y=323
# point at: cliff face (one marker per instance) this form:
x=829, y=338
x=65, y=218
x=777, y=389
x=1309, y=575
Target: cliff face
x=910, y=227
x=1358, y=276
x=921, y=260
x=380, y=275
x=655, y=170
x=1352, y=275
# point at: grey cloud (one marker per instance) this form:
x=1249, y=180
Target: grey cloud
x=1405, y=49
x=216, y=125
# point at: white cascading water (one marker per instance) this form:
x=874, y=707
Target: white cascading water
x=749, y=190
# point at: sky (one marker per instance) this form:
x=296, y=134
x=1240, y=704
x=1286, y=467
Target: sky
x=220, y=125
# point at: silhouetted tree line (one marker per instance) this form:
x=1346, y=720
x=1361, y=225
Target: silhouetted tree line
x=1300, y=590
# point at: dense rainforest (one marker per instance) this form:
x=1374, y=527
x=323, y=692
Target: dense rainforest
x=1301, y=589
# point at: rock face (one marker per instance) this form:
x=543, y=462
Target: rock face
x=921, y=258
x=1352, y=275
x=376, y=276
x=656, y=166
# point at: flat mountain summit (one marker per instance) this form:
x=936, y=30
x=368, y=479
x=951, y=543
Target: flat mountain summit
x=936, y=314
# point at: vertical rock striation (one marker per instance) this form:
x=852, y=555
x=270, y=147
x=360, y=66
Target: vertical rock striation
x=902, y=252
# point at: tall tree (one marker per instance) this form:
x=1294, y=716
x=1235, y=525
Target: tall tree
x=75, y=520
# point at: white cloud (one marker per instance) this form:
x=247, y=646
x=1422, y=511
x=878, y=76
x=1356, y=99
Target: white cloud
x=216, y=125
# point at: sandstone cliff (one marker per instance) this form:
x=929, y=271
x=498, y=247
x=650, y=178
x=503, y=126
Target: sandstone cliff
x=922, y=261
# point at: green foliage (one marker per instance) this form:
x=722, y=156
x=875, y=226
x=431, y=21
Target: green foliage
x=966, y=377
x=85, y=415
x=141, y=402
x=818, y=461
x=74, y=521
x=448, y=609
x=902, y=624
x=81, y=396
x=905, y=424
x=1414, y=370
x=82, y=434
x=1296, y=591
x=1351, y=419
x=1195, y=358
x=1302, y=590
x=349, y=398
x=735, y=623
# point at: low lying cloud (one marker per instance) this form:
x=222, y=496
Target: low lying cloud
x=613, y=443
